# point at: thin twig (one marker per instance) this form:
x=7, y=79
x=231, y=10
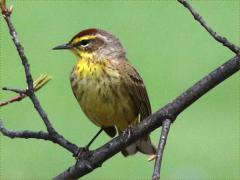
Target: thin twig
x=163, y=139
x=14, y=99
x=18, y=91
x=41, y=81
x=5, y=11
x=23, y=134
x=39, y=135
x=224, y=41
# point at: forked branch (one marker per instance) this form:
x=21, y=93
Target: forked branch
x=41, y=81
x=171, y=111
x=224, y=41
x=30, y=92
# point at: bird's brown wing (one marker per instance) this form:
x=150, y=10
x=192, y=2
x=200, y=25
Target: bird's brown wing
x=137, y=90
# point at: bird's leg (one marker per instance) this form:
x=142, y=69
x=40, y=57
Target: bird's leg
x=93, y=139
x=129, y=130
x=86, y=148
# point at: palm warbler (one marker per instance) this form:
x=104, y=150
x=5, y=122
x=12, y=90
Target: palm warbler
x=109, y=90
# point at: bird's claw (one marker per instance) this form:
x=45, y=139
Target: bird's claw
x=129, y=131
x=80, y=152
x=152, y=157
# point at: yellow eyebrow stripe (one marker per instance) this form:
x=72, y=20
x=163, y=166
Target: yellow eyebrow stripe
x=79, y=39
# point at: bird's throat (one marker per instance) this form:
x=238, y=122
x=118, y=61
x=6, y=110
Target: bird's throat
x=89, y=68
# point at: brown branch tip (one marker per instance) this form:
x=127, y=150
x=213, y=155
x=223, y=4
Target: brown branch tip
x=5, y=11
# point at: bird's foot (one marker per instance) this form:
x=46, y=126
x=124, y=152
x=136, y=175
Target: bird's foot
x=81, y=152
x=128, y=131
x=152, y=157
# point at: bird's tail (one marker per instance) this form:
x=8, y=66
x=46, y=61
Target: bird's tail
x=144, y=145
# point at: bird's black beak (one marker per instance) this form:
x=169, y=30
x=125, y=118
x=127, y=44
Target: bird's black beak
x=63, y=46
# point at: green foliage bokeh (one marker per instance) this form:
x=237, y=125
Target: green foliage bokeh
x=170, y=50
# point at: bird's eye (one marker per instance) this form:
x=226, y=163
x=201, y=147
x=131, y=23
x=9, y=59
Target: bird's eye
x=84, y=42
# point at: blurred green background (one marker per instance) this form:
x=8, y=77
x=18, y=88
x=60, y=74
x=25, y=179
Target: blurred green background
x=170, y=50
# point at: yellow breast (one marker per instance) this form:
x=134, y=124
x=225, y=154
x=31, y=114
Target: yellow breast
x=103, y=98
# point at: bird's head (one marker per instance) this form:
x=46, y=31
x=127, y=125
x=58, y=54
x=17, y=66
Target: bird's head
x=94, y=44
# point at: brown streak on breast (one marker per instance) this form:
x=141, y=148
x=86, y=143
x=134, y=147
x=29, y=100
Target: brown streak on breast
x=108, y=76
x=104, y=71
x=80, y=95
x=105, y=98
x=114, y=90
x=99, y=91
x=98, y=79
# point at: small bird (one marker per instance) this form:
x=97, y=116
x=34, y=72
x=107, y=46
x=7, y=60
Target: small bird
x=109, y=90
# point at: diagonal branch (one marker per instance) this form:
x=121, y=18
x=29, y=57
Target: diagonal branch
x=29, y=79
x=171, y=111
x=30, y=91
x=224, y=41
x=163, y=139
x=90, y=160
x=54, y=136
x=14, y=99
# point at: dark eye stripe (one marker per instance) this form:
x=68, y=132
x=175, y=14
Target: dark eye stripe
x=83, y=43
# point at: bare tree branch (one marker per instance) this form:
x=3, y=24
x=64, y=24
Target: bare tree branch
x=41, y=81
x=217, y=37
x=169, y=111
x=30, y=90
x=163, y=139
x=90, y=160
x=224, y=41
x=39, y=135
x=95, y=159
x=23, y=134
